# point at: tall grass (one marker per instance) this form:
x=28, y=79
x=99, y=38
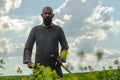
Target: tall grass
x=113, y=74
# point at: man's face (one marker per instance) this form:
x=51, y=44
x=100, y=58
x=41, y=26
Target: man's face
x=47, y=12
x=47, y=16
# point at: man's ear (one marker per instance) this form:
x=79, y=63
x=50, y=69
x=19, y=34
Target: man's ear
x=53, y=15
x=41, y=15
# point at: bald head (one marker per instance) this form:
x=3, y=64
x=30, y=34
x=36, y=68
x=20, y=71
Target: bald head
x=47, y=8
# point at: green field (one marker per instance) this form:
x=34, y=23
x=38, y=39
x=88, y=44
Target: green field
x=94, y=75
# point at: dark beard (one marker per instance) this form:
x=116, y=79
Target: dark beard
x=47, y=21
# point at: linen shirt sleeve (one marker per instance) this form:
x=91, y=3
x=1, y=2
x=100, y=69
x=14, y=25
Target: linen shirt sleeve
x=29, y=46
x=64, y=46
x=63, y=41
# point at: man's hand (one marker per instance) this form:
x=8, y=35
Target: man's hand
x=63, y=59
x=29, y=64
x=58, y=62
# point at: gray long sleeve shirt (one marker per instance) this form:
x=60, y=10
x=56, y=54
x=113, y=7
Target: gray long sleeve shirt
x=47, y=43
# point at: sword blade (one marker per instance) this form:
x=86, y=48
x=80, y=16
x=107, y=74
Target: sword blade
x=66, y=68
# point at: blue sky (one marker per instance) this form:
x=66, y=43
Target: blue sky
x=89, y=25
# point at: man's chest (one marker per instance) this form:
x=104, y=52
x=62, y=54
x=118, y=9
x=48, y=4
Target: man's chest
x=47, y=36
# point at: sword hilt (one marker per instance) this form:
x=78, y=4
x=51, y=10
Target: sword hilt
x=60, y=64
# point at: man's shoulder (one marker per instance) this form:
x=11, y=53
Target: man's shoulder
x=56, y=26
x=37, y=27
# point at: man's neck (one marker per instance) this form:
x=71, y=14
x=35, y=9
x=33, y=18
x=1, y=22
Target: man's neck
x=48, y=25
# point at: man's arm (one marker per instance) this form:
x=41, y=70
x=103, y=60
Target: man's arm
x=28, y=48
x=64, y=45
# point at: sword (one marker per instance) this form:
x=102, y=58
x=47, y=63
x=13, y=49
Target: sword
x=59, y=62
x=66, y=68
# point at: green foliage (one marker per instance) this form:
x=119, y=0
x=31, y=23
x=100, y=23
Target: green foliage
x=45, y=73
x=81, y=54
x=99, y=55
x=1, y=65
x=116, y=62
x=19, y=70
x=41, y=72
x=15, y=77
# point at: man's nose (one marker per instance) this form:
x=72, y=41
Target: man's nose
x=47, y=15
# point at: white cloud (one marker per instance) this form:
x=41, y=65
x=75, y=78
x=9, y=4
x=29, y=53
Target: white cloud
x=59, y=22
x=62, y=21
x=112, y=54
x=6, y=5
x=67, y=17
x=100, y=12
x=62, y=6
x=13, y=24
x=101, y=18
x=99, y=34
x=115, y=26
x=83, y=1
x=7, y=47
